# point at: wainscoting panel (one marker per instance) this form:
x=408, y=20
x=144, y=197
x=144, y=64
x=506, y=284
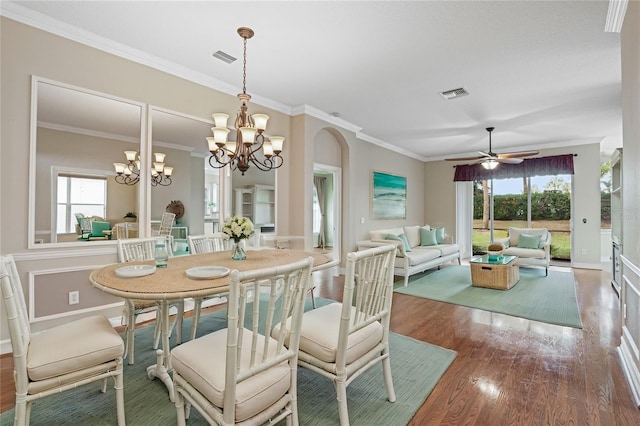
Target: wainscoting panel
x=629, y=348
x=49, y=293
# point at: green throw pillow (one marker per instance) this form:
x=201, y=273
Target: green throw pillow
x=428, y=237
x=529, y=241
x=399, y=237
x=440, y=235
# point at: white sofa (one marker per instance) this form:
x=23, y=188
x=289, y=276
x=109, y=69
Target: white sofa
x=527, y=255
x=419, y=258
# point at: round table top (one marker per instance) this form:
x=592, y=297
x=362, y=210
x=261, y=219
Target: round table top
x=172, y=283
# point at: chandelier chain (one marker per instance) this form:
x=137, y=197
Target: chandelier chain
x=244, y=68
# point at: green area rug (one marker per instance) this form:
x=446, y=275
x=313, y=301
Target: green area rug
x=416, y=368
x=549, y=299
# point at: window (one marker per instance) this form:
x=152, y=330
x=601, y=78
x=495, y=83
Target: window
x=79, y=194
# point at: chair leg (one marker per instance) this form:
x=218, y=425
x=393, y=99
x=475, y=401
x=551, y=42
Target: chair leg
x=180, y=406
x=196, y=317
x=21, y=414
x=313, y=298
x=388, y=380
x=341, y=393
x=546, y=271
x=119, y=387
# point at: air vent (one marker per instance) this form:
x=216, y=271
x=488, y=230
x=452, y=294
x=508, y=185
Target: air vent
x=224, y=57
x=453, y=94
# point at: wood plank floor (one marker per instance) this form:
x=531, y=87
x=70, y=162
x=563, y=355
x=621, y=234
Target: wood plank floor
x=509, y=371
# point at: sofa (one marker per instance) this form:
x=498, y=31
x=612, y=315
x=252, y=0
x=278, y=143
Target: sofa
x=418, y=248
x=531, y=245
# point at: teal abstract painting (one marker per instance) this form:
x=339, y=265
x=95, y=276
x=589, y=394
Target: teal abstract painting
x=388, y=196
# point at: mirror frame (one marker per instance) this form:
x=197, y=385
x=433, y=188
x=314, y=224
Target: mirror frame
x=33, y=132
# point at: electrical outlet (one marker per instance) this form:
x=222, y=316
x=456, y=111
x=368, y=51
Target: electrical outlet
x=74, y=297
x=584, y=251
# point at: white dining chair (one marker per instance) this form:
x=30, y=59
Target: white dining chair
x=61, y=358
x=342, y=340
x=199, y=244
x=241, y=374
x=137, y=249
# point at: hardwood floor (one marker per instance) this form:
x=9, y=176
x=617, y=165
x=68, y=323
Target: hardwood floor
x=509, y=371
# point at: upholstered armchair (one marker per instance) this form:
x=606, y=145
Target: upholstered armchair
x=91, y=228
x=531, y=245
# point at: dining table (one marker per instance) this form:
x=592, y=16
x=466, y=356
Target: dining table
x=182, y=279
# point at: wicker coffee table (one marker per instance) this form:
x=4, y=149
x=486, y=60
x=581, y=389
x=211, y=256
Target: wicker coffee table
x=498, y=272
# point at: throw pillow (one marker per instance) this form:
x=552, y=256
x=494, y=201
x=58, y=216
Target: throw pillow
x=529, y=241
x=400, y=237
x=440, y=235
x=428, y=237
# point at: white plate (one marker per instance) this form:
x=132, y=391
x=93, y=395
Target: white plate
x=207, y=272
x=133, y=271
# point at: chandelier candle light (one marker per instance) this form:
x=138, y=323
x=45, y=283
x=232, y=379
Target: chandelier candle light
x=129, y=174
x=250, y=139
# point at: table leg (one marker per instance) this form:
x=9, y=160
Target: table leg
x=162, y=367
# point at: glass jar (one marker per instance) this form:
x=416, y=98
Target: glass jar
x=161, y=255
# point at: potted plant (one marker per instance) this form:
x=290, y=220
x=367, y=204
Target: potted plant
x=130, y=217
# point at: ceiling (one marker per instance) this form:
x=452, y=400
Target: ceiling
x=544, y=74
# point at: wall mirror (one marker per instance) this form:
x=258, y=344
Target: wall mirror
x=208, y=193
x=76, y=136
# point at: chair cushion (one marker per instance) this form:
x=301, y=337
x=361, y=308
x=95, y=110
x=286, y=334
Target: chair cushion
x=399, y=237
x=524, y=252
x=428, y=237
x=423, y=254
x=446, y=249
x=201, y=362
x=319, y=335
x=529, y=241
x=381, y=233
x=72, y=347
x=413, y=235
x=514, y=234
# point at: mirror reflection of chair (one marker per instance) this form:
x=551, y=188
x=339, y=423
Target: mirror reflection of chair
x=137, y=249
x=87, y=350
x=89, y=228
x=342, y=340
x=257, y=383
x=199, y=244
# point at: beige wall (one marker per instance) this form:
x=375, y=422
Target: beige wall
x=440, y=202
x=26, y=51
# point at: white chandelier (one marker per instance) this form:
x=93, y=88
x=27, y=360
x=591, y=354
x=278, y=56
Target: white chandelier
x=250, y=139
x=129, y=174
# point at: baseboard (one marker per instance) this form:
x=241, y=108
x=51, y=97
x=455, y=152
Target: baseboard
x=630, y=370
x=596, y=266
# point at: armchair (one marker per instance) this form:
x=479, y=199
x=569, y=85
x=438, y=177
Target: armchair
x=90, y=228
x=531, y=245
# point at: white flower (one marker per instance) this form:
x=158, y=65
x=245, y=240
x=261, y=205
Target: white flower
x=238, y=228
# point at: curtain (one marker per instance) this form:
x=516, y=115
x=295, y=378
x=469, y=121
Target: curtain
x=320, y=184
x=544, y=166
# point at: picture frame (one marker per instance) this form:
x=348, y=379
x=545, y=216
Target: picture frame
x=388, y=196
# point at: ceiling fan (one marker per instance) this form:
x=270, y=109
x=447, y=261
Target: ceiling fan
x=490, y=160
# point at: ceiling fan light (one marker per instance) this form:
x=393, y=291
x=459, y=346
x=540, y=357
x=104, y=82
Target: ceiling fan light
x=490, y=164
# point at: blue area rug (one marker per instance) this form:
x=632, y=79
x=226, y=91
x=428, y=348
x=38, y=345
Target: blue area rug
x=550, y=299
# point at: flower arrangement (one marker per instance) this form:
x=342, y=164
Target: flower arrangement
x=238, y=228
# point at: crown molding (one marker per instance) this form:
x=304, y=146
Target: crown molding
x=615, y=16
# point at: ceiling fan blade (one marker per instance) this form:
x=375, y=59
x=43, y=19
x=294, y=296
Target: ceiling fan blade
x=463, y=158
x=518, y=154
x=509, y=160
x=486, y=154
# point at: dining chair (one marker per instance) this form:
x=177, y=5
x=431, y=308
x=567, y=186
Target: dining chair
x=199, y=244
x=137, y=249
x=61, y=358
x=342, y=340
x=241, y=373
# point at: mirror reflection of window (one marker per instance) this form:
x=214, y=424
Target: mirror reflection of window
x=86, y=195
